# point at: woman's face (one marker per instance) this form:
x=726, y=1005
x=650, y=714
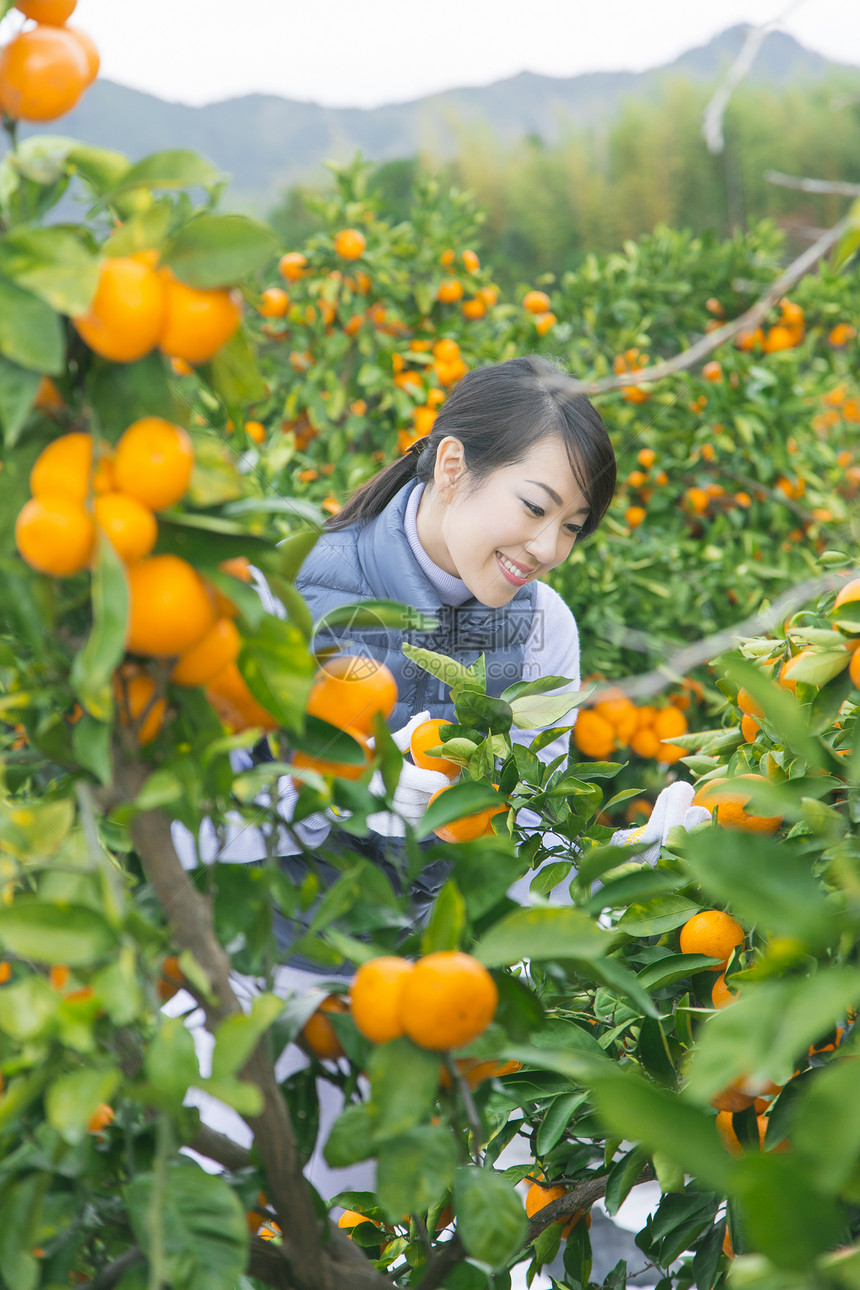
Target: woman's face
x=517, y=525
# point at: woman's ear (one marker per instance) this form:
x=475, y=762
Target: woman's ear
x=450, y=464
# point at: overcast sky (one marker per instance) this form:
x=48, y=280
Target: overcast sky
x=360, y=53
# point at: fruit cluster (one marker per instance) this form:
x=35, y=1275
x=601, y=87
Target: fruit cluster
x=616, y=722
x=46, y=68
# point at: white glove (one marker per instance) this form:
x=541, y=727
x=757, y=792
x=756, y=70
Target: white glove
x=673, y=807
x=414, y=789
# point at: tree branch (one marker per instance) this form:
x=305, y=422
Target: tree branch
x=218, y=1147
x=114, y=1272
x=583, y=1196
x=812, y=185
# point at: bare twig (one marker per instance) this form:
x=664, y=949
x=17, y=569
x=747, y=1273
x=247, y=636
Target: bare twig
x=712, y=123
x=582, y=1196
x=114, y=1272
x=443, y=1261
x=812, y=185
x=712, y=340
x=218, y=1147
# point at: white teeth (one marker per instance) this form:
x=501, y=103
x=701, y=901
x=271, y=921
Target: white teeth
x=518, y=573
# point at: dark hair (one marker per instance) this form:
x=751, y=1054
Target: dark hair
x=498, y=413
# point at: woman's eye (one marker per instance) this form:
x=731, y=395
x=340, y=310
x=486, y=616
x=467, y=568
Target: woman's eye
x=535, y=510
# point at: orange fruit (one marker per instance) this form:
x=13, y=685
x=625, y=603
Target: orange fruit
x=350, y=244
x=634, y=515
x=424, y=419
x=536, y=302
x=621, y=714
x=646, y=458
x=58, y=976
x=539, y=1196
x=126, y=315
x=153, y=462
x=846, y=593
x=749, y=728
x=475, y=308
x=101, y=1117
x=594, y=735
x=320, y=1035
x=447, y=258
x=469, y=827
x=134, y=694
x=197, y=321
x=5, y=972
x=171, y=608
x=255, y=430
x=63, y=468
x=748, y=704
x=350, y=690
x=854, y=669
x=350, y=1218
x=376, y=996
x=448, y=999
x=91, y=53
x=726, y=1130
x=230, y=697
x=475, y=1072
x=170, y=979
x=471, y=261
x=292, y=266
x=731, y=812
x=543, y=322
x=696, y=500
x=128, y=525
x=781, y=337
x=712, y=371
x=53, y=13
x=446, y=351
x=721, y=995
x=427, y=736
x=450, y=290
x=215, y=650
x=48, y=399
x=711, y=932
x=645, y=743
x=43, y=73
x=274, y=302
x=732, y=1099
x=55, y=535
x=669, y=723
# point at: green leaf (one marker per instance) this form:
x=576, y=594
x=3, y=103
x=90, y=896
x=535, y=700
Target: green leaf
x=101, y=168
x=481, y=711
x=782, y=712
x=657, y=916
x=447, y=920
x=415, y=1170
x=491, y=1220
x=71, y=934
x=766, y=883
x=141, y=231
x=787, y=1218
x=290, y=554
x=559, y=932
x=242, y=1095
x=218, y=250
x=27, y=1009
x=205, y=1239
x=18, y=389
x=36, y=829
x=174, y=168
x=404, y=1082
x=91, y=745
x=544, y=709
x=351, y=1138
x=235, y=376
x=672, y=968
x=20, y=1206
x=57, y=264
x=279, y=670
x=171, y=1060
x=93, y=666
x=615, y=974
x=826, y=1128
x=446, y=669
x=662, y=1122
x=124, y=392
x=206, y=539
x=237, y=1036
x=70, y=1100
x=556, y=1119
x=622, y=1177
x=31, y=333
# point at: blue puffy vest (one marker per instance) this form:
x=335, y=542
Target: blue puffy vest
x=372, y=560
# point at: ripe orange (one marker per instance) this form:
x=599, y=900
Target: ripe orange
x=197, y=322
x=471, y=261
x=320, y=1035
x=91, y=53
x=670, y=723
x=274, y=303
x=446, y=351
x=235, y=705
x=53, y=13
x=55, y=535
x=126, y=315
x=634, y=515
x=731, y=1099
x=748, y=704
x=712, y=371
x=447, y=258
x=134, y=694
x=350, y=1218
x=63, y=468
x=349, y=690
x=731, y=812
x=539, y=1196
x=170, y=979
x=846, y=593
x=543, y=322
x=644, y=743
x=292, y=266
x=696, y=500
x=749, y=728
x=469, y=827
x=343, y=770
x=153, y=462
x=129, y=526
x=711, y=932
x=594, y=735
x=215, y=650
x=646, y=458
x=475, y=1072
x=350, y=244
x=781, y=337
x=450, y=290
x=101, y=1117
x=170, y=609
x=854, y=669
x=48, y=399
x=726, y=1130
x=448, y=999
x=475, y=308
x=425, y=737
x=58, y=976
x=621, y=714
x=536, y=302
x=424, y=419
x=376, y=995
x=721, y=995
x=43, y=73
x=255, y=430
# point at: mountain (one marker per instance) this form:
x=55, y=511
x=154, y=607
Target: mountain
x=266, y=143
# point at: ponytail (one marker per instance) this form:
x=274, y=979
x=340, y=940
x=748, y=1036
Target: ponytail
x=371, y=498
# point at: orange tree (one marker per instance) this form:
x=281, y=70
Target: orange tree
x=135, y=658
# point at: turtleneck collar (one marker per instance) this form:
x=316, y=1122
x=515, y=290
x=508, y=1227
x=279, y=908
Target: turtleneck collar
x=451, y=590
